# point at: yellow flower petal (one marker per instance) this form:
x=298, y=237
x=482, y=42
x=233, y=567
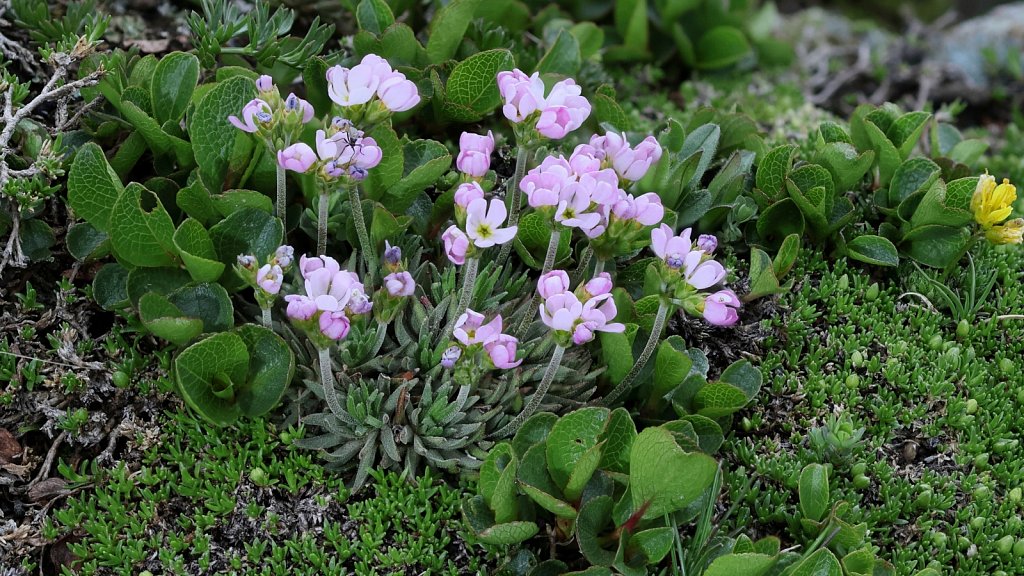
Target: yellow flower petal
x=1010, y=233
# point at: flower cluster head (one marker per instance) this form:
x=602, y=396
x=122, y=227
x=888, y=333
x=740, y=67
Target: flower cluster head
x=332, y=297
x=483, y=227
x=554, y=114
x=687, y=268
x=473, y=335
x=584, y=192
x=270, y=116
x=373, y=85
x=474, y=159
x=267, y=279
x=630, y=163
x=991, y=205
x=345, y=153
x=574, y=316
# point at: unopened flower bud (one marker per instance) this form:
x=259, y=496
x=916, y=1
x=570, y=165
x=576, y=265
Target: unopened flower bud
x=707, y=243
x=450, y=357
x=392, y=254
x=247, y=261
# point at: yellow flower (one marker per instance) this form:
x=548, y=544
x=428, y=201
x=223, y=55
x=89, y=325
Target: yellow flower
x=991, y=204
x=1011, y=232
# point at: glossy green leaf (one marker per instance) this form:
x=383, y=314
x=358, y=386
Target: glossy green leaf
x=93, y=187
x=663, y=476
x=813, y=492
x=447, y=28
x=142, y=236
x=173, y=82
x=873, y=250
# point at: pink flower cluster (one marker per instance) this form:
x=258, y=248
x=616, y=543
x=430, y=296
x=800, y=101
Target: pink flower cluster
x=475, y=151
x=373, y=76
x=332, y=296
x=556, y=114
x=585, y=191
x=470, y=330
x=346, y=152
x=259, y=113
x=693, y=262
x=483, y=224
x=576, y=316
x=269, y=277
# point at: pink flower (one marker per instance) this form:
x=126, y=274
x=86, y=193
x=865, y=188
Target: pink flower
x=554, y=282
x=264, y=83
x=308, y=265
x=254, y=114
x=670, y=248
x=475, y=154
x=502, y=351
x=269, y=278
x=564, y=110
x=701, y=273
x=598, y=285
x=707, y=242
x=573, y=209
x=293, y=104
x=456, y=244
x=561, y=312
x=466, y=193
x=358, y=85
x=585, y=158
x=543, y=185
x=646, y=209
x=334, y=325
x=721, y=308
x=297, y=157
x=679, y=254
x=470, y=328
x=602, y=186
x=397, y=93
x=363, y=153
x=483, y=224
x=300, y=307
x=359, y=303
x=523, y=95
x=399, y=284
x=630, y=163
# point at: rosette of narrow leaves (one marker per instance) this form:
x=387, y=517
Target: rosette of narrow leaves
x=589, y=477
x=396, y=424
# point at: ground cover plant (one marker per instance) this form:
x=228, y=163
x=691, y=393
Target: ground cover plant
x=496, y=287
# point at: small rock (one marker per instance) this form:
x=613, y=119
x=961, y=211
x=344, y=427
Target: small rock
x=9, y=446
x=910, y=450
x=47, y=489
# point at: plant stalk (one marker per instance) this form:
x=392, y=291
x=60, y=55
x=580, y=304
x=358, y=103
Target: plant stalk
x=327, y=380
x=581, y=268
x=645, y=355
x=369, y=254
x=537, y=398
x=279, y=207
x=321, y=224
x=512, y=187
x=549, y=258
x=265, y=317
x=469, y=270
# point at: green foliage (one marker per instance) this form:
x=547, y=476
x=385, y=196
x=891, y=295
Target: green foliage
x=591, y=478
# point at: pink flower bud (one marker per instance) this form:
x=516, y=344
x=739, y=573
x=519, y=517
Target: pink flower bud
x=554, y=282
x=523, y=95
x=284, y=256
x=246, y=261
x=397, y=93
x=708, y=243
x=543, y=185
x=564, y=110
x=297, y=157
x=399, y=284
x=334, y=325
x=598, y=285
x=466, y=193
x=502, y=351
x=264, y=83
x=309, y=265
x=269, y=278
x=295, y=105
x=721, y=308
x=392, y=254
x=456, y=244
x=475, y=154
x=450, y=356
x=585, y=159
x=300, y=307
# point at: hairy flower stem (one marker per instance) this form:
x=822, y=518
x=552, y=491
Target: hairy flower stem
x=549, y=258
x=327, y=380
x=581, y=269
x=265, y=317
x=469, y=270
x=598, y=267
x=645, y=355
x=321, y=224
x=279, y=206
x=512, y=188
x=369, y=254
x=538, y=396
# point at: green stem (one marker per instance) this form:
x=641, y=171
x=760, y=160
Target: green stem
x=581, y=269
x=549, y=262
x=321, y=224
x=537, y=398
x=598, y=267
x=369, y=255
x=265, y=317
x=465, y=297
x=645, y=355
x=279, y=207
x=327, y=380
x=549, y=258
x=512, y=188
